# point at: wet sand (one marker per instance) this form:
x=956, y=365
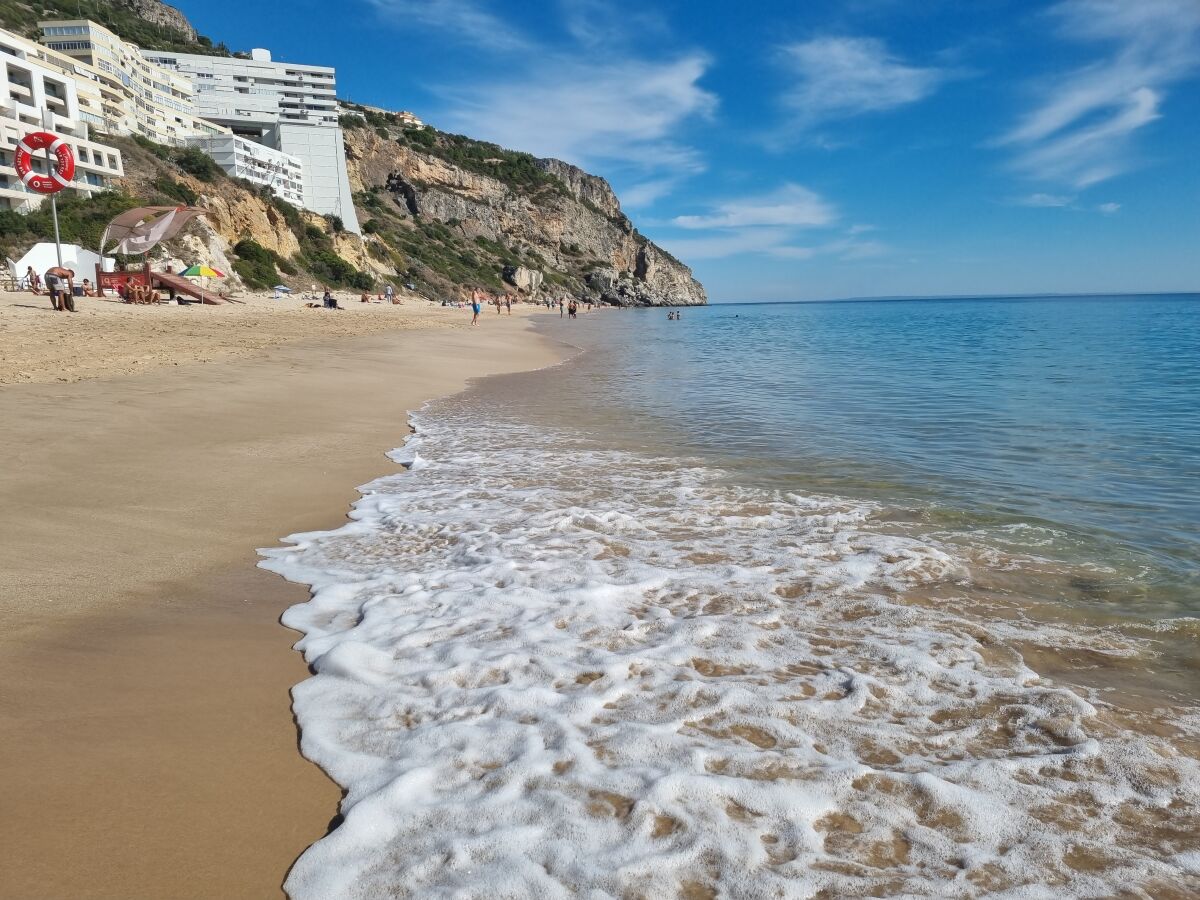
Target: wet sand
x=149, y=748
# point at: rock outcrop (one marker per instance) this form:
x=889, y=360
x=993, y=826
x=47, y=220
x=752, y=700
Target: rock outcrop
x=527, y=281
x=161, y=14
x=569, y=223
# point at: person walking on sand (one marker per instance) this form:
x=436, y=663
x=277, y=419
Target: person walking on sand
x=476, y=305
x=508, y=303
x=561, y=306
x=32, y=281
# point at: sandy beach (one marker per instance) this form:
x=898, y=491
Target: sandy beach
x=150, y=749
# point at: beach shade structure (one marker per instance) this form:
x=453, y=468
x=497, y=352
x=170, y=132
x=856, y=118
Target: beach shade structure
x=202, y=271
x=141, y=230
x=280, y=290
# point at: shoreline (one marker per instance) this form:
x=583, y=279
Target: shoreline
x=152, y=746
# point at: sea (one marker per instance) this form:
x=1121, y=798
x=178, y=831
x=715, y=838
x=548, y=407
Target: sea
x=876, y=598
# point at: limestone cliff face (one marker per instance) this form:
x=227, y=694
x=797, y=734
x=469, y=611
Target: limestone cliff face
x=569, y=220
x=161, y=14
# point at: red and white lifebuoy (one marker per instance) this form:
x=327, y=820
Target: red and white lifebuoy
x=60, y=175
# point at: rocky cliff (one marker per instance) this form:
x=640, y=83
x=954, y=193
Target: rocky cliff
x=162, y=15
x=492, y=212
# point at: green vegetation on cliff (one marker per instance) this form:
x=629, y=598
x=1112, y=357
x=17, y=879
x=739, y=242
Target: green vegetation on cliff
x=22, y=17
x=81, y=220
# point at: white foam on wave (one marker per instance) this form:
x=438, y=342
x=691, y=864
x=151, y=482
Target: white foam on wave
x=550, y=669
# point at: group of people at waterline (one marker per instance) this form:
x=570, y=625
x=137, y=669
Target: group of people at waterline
x=503, y=303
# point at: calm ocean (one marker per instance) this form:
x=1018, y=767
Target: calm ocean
x=795, y=600
x=1075, y=420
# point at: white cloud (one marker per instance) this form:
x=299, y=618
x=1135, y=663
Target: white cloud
x=645, y=193
x=1080, y=131
x=790, y=205
x=738, y=243
x=777, y=243
x=1044, y=200
x=1108, y=208
x=615, y=111
x=840, y=77
x=471, y=21
x=622, y=110
x=861, y=229
x=608, y=24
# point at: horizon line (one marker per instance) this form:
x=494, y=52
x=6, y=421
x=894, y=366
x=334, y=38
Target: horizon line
x=901, y=298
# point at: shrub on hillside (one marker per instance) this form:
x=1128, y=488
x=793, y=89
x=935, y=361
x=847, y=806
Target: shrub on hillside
x=174, y=190
x=256, y=264
x=330, y=267
x=197, y=163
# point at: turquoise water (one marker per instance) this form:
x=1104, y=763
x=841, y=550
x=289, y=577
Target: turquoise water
x=1069, y=425
x=859, y=599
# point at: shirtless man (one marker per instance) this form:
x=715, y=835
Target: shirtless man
x=59, y=284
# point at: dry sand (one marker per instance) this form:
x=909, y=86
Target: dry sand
x=107, y=337
x=148, y=744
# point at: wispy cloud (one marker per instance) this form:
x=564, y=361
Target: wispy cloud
x=840, y=77
x=776, y=243
x=1079, y=132
x=1044, y=200
x=623, y=110
x=471, y=21
x=1062, y=201
x=771, y=224
x=646, y=193
x=608, y=24
x=617, y=111
x=791, y=205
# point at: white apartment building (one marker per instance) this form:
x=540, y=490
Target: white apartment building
x=242, y=158
x=35, y=96
x=87, y=80
x=138, y=97
x=289, y=107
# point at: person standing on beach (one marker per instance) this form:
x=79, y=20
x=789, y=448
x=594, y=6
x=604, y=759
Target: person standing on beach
x=388, y=293
x=58, y=284
x=476, y=305
x=32, y=281
x=561, y=305
x=508, y=303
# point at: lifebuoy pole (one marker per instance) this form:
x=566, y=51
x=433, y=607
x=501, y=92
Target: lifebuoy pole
x=48, y=122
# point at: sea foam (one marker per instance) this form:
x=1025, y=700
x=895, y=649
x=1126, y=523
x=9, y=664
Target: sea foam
x=546, y=668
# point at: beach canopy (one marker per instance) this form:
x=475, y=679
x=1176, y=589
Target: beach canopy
x=282, y=288
x=200, y=271
x=141, y=230
x=43, y=255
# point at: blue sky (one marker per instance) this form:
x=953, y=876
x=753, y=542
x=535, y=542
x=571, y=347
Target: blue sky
x=791, y=150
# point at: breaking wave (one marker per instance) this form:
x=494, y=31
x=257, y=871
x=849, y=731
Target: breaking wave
x=548, y=668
